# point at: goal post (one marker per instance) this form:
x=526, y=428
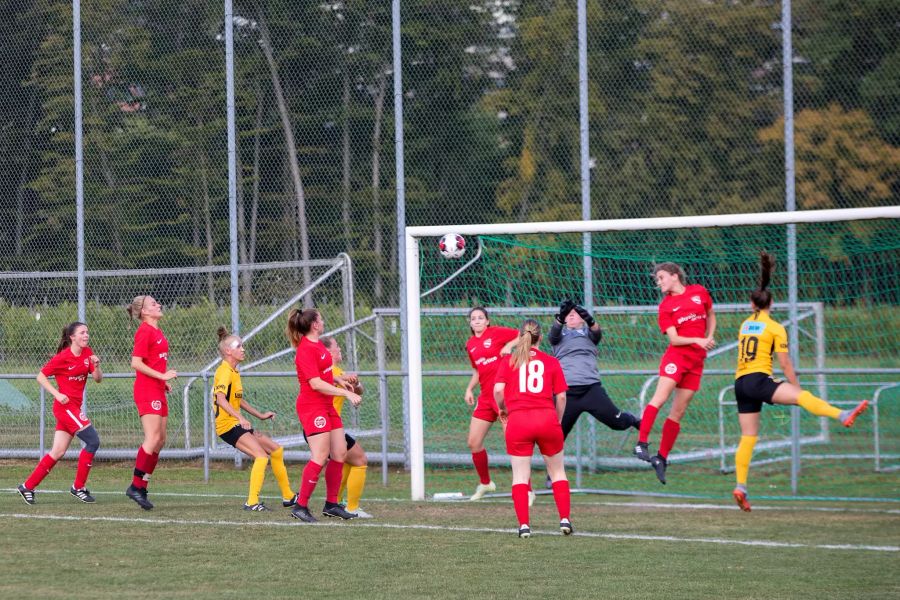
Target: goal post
x=645, y=249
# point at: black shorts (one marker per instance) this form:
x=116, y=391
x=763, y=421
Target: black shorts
x=351, y=441
x=233, y=435
x=752, y=389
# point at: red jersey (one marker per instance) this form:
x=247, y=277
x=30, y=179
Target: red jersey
x=313, y=360
x=686, y=312
x=151, y=346
x=484, y=354
x=71, y=374
x=534, y=384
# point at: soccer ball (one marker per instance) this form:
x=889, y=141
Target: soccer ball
x=452, y=245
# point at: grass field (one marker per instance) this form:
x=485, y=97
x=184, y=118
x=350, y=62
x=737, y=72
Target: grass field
x=197, y=543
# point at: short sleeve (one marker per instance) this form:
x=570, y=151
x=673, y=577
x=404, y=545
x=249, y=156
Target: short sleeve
x=781, y=343
x=52, y=366
x=504, y=335
x=307, y=365
x=141, y=342
x=707, y=300
x=502, y=371
x=471, y=358
x=220, y=382
x=664, y=319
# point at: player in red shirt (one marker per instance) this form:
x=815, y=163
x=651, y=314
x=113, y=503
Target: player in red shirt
x=149, y=359
x=530, y=391
x=73, y=362
x=484, y=349
x=320, y=420
x=686, y=316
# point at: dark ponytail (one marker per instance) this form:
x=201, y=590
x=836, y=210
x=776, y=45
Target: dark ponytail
x=761, y=296
x=67, y=333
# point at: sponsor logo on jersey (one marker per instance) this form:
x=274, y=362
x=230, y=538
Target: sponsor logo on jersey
x=319, y=422
x=485, y=361
x=670, y=368
x=696, y=300
x=156, y=405
x=691, y=317
x=753, y=328
x=77, y=377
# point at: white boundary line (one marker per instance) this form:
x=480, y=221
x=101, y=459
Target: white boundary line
x=588, y=534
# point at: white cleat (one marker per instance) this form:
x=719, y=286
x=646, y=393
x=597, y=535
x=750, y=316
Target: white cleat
x=531, y=497
x=361, y=514
x=482, y=489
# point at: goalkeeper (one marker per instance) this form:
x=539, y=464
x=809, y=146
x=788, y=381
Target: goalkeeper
x=573, y=339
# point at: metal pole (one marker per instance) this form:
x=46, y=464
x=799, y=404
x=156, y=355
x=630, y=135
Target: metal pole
x=787, y=55
x=79, y=157
x=401, y=207
x=232, y=167
x=41, y=420
x=382, y=395
x=206, y=425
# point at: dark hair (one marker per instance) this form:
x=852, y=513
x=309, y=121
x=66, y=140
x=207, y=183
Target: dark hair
x=482, y=310
x=529, y=336
x=300, y=323
x=672, y=269
x=761, y=296
x=67, y=333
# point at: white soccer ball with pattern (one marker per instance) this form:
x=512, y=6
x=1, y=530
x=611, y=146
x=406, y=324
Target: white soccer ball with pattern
x=452, y=245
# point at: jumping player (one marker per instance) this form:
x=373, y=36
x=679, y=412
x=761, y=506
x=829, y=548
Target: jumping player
x=73, y=362
x=686, y=316
x=760, y=338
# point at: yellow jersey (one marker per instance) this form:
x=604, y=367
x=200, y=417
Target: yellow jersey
x=338, y=400
x=759, y=339
x=227, y=381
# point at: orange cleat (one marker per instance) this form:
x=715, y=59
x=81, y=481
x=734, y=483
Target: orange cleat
x=740, y=496
x=860, y=409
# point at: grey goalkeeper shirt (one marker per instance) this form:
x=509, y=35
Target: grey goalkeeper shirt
x=576, y=350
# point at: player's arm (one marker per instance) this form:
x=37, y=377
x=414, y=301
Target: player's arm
x=560, y=405
x=45, y=383
x=97, y=372
x=680, y=340
x=138, y=364
x=225, y=405
x=323, y=387
x=498, y=396
x=787, y=367
x=473, y=381
x=710, y=326
x=259, y=415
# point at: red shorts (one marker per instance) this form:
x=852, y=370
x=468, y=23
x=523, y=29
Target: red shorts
x=318, y=418
x=686, y=368
x=152, y=407
x=486, y=408
x=69, y=417
x=526, y=428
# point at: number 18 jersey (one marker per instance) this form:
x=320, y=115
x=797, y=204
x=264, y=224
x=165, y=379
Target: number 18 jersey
x=533, y=384
x=760, y=338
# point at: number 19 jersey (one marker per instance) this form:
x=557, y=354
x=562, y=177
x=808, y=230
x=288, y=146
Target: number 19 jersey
x=759, y=339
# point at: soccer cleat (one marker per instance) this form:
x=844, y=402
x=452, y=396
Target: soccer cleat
x=302, y=513
x=289, y=503
x=82, y=494
x=566, y=527
x=531, y=497
x=139, y=495
x=548, y=483
x=258, y=507
x=659, y=464
x=524, y=531
x=860, y=409
x=641, y=451
x=635, y=421
x=27, y=495
x=740, y=496
x=361, y=514
x=482, y=489
x=333, y=509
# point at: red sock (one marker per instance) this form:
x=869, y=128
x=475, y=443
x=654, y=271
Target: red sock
x=309, y=479
x=42, y=469
x=669, y=435
x=85, y=461
x=520, y=502
x=334, y=471
x=141, y=466
x=480, y=459
x=151, y=464
x=562, y=497
x=647, y=420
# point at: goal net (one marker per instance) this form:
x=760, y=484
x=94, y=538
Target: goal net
x=842, y=316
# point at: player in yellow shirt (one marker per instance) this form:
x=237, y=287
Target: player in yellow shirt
x=356, y=462
x=236, y=430
x=760, y=340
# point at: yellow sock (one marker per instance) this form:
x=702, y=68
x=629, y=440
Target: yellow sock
x=257, y=475
x=355, y=484
x=344, y=475
x=817, y=406
x=280, y=472
x=742, y=458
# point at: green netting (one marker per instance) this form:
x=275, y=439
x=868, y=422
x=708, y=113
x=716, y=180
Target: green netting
x=848, y=320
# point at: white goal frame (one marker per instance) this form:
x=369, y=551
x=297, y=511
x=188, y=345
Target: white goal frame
x=413, y=284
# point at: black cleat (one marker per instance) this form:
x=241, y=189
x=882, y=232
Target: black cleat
x=659, y=464
x=27, y=495
x=635, y=421
x=302, y=513
x=566, y=527
x=258, y=507
x=139, y=495
x=82, y=494
x=290, y=503
x=642, y=452
x=524, y=531
x=548, y=483
x=333, y=509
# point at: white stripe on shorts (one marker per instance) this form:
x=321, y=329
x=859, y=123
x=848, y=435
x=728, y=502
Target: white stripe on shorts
x=74, y=418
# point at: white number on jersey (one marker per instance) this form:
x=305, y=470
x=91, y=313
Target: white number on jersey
x=531, y=377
